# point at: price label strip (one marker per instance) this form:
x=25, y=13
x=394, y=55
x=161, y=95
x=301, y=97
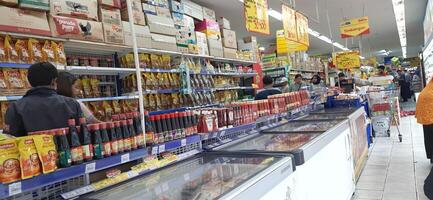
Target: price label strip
x=91, y=167
x=124, y=158
x=15, y=188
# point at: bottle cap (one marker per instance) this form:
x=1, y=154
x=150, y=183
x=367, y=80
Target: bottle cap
x=82, y=120
x=110, y=125
x=71, y=122
x=103, y=125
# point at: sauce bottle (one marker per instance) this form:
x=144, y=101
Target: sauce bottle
x=159, y=129
x=178, y=125
x=139, y=129
x=86, y=140
x=76, y=148
x=126, y=135
x=97, y=142
x=119, y=136
x=105, y=140
x=63, y=149
x=154, y=133
x=113, y=138
x=134, y=139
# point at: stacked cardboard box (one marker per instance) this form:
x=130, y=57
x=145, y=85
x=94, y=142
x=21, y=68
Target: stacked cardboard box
x=185, y=34
x=137, y=12
x=112, y=25
x=43, y=5
x=229, y=39
x=211, y=28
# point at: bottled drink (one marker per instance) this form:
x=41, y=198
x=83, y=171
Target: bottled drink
x=97, y=142
x=153, y=122
x=76, y=148
x=113, y=138
x=120, y=141
x=86, y=140
x=63, y=149
x=105, y=140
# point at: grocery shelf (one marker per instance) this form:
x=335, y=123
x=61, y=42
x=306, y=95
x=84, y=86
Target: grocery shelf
x=273, y=69
x=10, y=98
x=70, y=172
x=305, y=70
x=24, y=35
x=237, y=74
x=163, y=91
x=14, y=65
x=14, y=98
x=160, y=70
x=175, y=144
x=98, y=70
x=221, y=88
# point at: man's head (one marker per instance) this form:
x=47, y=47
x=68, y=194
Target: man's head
x=381, y=68
x=42, y=74
x=284, y=81
x=298, y=78
x=341, y=76
x=268, y=81
x=399, y=72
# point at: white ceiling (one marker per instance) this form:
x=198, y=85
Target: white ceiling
x=383, y=28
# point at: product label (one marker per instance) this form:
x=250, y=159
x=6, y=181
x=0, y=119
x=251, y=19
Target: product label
x=107, y=149
x=87, y=151
x=77, y=154
x=66, y=26
x=97, y=150
x=121, y=146
x=114, y=147
x=65, y=158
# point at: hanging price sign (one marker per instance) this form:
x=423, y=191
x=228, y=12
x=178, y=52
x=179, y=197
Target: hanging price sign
x=256, y=16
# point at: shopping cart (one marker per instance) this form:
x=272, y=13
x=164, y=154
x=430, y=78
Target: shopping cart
x=382, y=107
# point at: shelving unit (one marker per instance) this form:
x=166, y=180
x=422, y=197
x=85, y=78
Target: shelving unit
x=15, y=98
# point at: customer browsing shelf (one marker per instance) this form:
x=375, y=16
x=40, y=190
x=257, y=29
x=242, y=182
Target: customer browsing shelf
x=298, y=85
x=268, y=89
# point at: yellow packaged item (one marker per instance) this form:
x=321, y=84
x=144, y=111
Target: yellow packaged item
x=24, y=73
x=47, y=152
x=11, y=53
x=9, y=161
x=3, y=55
x=107, y=109
x=14, y=78
x=155, y=61
x=166, y=61
x=144, y=60
x=23, y=52
x=86, y=87
x=48, y=52
x=94, y=84
x=59, y=52
x=29, y=159
x=35, y=50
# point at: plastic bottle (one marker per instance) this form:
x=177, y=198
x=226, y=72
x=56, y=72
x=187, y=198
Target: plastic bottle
x=133, y=135
x=105, y=140
x=126, y=135
x=76, y=148
x=86, y=142
x=120, y=141
x=63, y=149
x=113, y=138
x=139, y=129
x=97, y=142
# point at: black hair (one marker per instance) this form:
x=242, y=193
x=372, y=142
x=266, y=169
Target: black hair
x=382, y=67
x=341, y=74
x=317, y=77
x=267, y=80
x=65, y=83
x=41, y=74
x=298, y=76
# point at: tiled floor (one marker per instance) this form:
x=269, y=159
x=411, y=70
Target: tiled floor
x=394, y=170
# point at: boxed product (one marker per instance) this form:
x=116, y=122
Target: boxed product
x=163, y=42
x=35, y=4
x=162, y=3
x=192, y=9
x=230, y=53
x=163, y=12
x=215, y=47
x=185, y=36
x=176, y=6
x=248, y=44
x=110, y=3
x=210, y=28
x=162, y=25
x=84, y=9
x=142, y=33
x=188, y=22
x=208, y=13
x=9, y=2
x=224, y=23
x=112, y=25
x=178, y=19
x=202, y=46
x=149, y=9
x=137, y=12
x=229, y=39
x=24, y=21
x=74, y=28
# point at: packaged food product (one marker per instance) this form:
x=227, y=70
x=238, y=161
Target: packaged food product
x=3, y=82
x=2, y=50
x=9, y=160
x=156, y=61
x=29, y=159
x=107, y=109
x=48, y=52
x=166, y=61
x=47, y=152
x=3, y=107
x=144, y=60
x=94, y=83
x=23, y=53
x=116, y=107
x=13, y=77
x=86, y=87
x=98, y=110
x=59, y=52
x=35, y=50
x=24, y=73
x=11, y=53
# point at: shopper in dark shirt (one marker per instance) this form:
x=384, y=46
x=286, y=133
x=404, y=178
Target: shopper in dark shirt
x=268, y=89
x=41, y=108
x=428, y=185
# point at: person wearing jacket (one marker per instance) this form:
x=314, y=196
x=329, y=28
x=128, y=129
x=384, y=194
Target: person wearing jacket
x=424, y=116
x=41, y=108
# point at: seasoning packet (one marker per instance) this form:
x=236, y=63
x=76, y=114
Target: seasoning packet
x=14, y=79
x=35, y=50
x=3, y=82
x=9, y=160
x=23, y=52
x=11, y=53
x=48, y=52
x=23, y=73
x=3, y=55
x=47, y=152
x=29, y=159
x=59, y=52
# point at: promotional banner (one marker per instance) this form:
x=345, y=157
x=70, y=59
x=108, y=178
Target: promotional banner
x=302, y=30
x=354, y=27
x=347, y=60
x=289, y=23
x=256, y=16
x=287, y=46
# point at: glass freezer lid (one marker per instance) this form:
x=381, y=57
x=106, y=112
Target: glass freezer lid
x=324, y=116
x=204, y=177
x=304, y=126
x=336, y=111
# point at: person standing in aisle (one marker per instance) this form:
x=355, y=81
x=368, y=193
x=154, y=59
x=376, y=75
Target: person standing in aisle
x=416, y=85
x=424, y=116
x=41, y=108
x=298, y=84
x=316, y=82
x=284, y=85
x=381, y=71
x=404, y=83
x=268, y=89
x=66, y=86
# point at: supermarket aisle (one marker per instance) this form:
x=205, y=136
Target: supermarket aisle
x=394, y=170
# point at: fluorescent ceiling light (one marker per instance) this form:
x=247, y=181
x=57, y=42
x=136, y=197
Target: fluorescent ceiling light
x=400, y=18
x=241, y=1
x=261, y=48
x=325, y=39
x=362, y=57
x=338, y=45
x=275, y=14
x=313, y=32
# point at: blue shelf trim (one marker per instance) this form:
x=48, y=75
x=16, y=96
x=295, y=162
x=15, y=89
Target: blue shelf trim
x=172, y=145
x=160, y=112
x=160, y=70
x=14, y=65
x=165, y=91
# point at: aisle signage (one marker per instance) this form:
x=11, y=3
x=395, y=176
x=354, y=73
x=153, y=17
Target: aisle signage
x=295, y=36
x=354, y=27
x=347, y=60
x=256, y=16
x=302, y=23
x=289, y=23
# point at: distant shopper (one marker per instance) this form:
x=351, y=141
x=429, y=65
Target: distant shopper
x=298, y=84
x=41, y=108
x=404, y=82
x=316, y=82
x=341, y=79
x=381, y=71
x=416, y=83
x=67, y=86
x=423, y=114
x=268, y=89
x=284, y=85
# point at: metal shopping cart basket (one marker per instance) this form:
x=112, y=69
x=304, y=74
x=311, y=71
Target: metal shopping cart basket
x=382, y=107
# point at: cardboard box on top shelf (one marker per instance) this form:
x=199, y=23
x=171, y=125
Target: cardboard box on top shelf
x=192, y=9
x=210, y=28
x=144, y=38
x=215, y=47
x=193, y=48
x=137, y=12
x=163, y=3
x=112, y=25
x=163, y=42
x=74, y=28
x=178, y=19
x=161, y=25
x=110, y=3
x=229, y=39
x=202, y=46
x=185, y=36
x=224, y=23
x=230, y=53
x=83, y=9
x=24, y=21
x=43, y=5
x=163, y=12
x=176, y=6
x=208, y=13
x=149, y=9
x=188, y=22
x=9, y=2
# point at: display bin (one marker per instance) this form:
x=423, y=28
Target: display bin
x=347, y=103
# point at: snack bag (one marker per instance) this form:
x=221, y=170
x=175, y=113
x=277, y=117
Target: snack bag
x=14, y=79
x=94, y=84
x=86, y=87
x=3, y=82
x=29, y=159
x=3, y=107
x=144, y=60
x=98, y=110
x=9, y=161
x=24, y=73
x=79, y=86
x=3, y=55
x=47, y=152
x=166, y=61
x=107, y=109
x=48, y=52
x=11, y=53
x=156, y=61
x=116, y=107
x=23, y=52
x=59, y=52
x=35, y=50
